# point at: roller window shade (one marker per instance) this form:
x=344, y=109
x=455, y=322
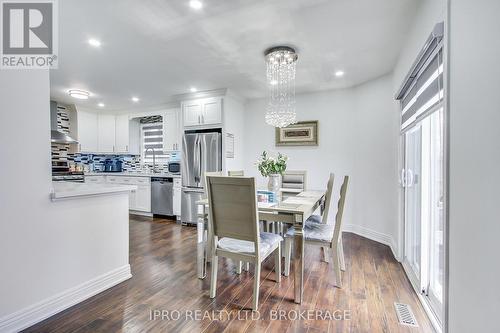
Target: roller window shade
x=425, y=93
x=422, y=89
x=152, y=139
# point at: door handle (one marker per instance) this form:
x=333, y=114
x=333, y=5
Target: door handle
x=410, y=178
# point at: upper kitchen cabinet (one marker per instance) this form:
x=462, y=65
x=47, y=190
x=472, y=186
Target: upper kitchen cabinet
x=106, y=133
x=212, y=111
x=87, y=131
x=122, y=136
x=202, y=112
x=171, y=133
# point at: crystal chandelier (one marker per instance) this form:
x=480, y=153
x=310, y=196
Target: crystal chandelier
x=281, y=63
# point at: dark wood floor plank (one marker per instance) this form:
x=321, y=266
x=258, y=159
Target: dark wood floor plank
x=162, y=258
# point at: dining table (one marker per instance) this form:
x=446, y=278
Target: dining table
x=293, y=211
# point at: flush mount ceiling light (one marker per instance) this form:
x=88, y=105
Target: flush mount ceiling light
x=94, y=42
x=135, y=99
x=101, y=105
x=193, y=89
x=196, y=4
x=339, y=73
x=281, y=64
x=80, y=94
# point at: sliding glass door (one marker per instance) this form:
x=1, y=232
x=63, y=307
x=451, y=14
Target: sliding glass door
x=413, y=194
x=423, y=181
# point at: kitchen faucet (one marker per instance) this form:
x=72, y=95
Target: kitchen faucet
x=154, y=158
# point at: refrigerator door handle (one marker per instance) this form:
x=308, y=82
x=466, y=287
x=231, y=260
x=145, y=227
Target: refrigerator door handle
x=193, y=190
x=196, y=160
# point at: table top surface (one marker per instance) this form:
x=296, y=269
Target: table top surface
x=302, y=203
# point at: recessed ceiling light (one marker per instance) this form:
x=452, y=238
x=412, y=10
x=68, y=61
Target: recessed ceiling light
x=196, y=4
x=273, y=82
x=193, y=89
x=94, y=42
x=80, y=94
x=101, y=105
x=135, y=99
x=339, y=73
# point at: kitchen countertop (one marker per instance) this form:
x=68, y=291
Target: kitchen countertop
x=134, y=174
x=63, y=190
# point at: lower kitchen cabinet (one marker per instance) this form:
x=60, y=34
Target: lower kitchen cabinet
x=140, y=199
x=95, y=179
x=177, y=197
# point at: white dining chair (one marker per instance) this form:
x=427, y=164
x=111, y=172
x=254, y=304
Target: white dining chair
x=240, y=264
x=292, y=183
x=317, y=231
x=233, y=219
x=235, y=173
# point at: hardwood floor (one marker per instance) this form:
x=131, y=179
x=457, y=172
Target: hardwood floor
x=162, y=256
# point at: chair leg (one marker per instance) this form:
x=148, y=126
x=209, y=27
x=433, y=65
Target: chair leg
x=325, y=253
x=341, y=255
x=277, y=263
x=239, y=263
x=213, y=276
x=288, y=255
x=246, y=266
x=256, y=285
x=336, y=267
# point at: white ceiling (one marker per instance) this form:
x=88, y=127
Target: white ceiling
x=155, y=49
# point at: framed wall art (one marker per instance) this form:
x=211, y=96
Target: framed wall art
x=302, y=133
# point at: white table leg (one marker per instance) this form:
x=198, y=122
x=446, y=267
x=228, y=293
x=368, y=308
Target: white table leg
x=298, y=260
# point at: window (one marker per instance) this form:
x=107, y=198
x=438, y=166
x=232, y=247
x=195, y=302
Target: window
x=152, y=139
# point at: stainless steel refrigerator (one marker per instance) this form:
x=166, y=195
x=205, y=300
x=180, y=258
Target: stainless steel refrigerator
x=201, y=152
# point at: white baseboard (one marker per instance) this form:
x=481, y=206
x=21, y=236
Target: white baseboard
x=36, y=313
x=375, y=236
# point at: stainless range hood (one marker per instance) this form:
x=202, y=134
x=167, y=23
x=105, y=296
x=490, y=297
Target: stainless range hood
x=57, y=136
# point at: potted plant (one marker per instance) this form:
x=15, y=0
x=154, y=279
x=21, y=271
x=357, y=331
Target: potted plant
x=272, y=168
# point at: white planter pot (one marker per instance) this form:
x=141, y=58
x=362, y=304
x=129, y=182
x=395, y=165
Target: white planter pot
x=274, y=183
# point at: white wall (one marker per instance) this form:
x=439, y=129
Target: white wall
x=474, y=102
x=234, y=111
x=356, y=137
x=47, y=248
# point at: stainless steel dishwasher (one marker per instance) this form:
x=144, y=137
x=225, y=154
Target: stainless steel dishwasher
x=162, y=193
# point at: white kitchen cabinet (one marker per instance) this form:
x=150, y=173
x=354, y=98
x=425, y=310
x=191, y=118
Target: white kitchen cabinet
x=139, y=199
x=122, y=136
x=212, y=111
x=87, y=131
x=171, y=131
x=206, y=111
x=177, y=197
x=134, y=137
x=143, y=198
x=95, y=179
x=192, y=111
x=106, y=133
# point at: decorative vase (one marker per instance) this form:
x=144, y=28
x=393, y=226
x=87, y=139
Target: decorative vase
x=274, y=183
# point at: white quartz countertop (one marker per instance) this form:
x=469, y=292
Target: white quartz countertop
x=62, y=190
x=134, y=174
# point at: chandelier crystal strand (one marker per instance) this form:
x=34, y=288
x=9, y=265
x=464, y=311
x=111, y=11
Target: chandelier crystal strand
x=281, y=67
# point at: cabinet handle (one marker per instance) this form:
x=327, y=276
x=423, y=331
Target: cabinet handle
x=126, y=149
x=203, y=119
x=199, y=119
x=80, y=147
